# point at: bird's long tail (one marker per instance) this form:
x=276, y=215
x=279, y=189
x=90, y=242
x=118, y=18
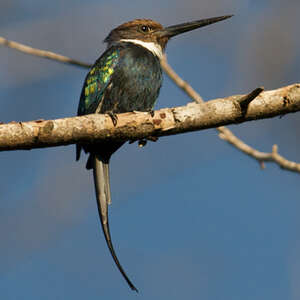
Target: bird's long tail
x=102, y=187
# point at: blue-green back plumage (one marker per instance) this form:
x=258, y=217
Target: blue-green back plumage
x=125, y=78
x=97, y=81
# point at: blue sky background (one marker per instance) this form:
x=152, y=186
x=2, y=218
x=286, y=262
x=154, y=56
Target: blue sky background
x=191, y=217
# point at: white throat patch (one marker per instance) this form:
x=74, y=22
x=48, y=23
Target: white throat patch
x=152, y=47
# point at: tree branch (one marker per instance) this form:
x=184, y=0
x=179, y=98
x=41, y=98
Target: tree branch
x=139, y=125
x=224, y=133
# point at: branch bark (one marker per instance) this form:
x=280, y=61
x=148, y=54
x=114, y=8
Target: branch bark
x=139, y=125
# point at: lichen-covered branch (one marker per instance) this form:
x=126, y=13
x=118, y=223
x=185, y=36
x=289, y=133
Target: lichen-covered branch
x=139, y=125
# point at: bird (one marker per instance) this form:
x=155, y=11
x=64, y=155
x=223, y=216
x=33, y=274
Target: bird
x=127, y=77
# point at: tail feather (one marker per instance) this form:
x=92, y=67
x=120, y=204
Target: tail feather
x=102, y=187
x=107, y=185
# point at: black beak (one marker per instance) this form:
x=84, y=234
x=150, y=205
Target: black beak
x=184, y=27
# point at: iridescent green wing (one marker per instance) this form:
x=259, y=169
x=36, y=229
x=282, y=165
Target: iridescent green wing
x=97, y=80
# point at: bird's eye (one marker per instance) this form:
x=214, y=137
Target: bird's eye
x=145, y=28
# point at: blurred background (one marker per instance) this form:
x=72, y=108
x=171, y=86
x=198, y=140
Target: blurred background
x=191, y=217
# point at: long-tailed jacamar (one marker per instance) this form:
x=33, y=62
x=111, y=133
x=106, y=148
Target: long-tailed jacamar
x=127, y=77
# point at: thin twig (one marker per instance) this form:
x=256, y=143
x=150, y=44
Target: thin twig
x=42, y=53
x=179, y=81
x=261, y=157
x=224, y=133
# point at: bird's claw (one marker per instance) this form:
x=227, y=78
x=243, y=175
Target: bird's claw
x=151, y=112
x=114, y=118
x=152, y=138
x=142, y=143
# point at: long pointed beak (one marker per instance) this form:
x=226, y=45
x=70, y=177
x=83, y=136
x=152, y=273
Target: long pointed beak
x=184, y=27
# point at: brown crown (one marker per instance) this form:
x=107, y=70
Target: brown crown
x=141, y=29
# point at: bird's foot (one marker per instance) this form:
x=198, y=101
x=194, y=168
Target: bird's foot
x=152, y=138
x=114, y=118
x=142, y=143
x=151, y=112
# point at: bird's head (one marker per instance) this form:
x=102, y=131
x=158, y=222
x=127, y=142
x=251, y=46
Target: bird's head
x=152, y=35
